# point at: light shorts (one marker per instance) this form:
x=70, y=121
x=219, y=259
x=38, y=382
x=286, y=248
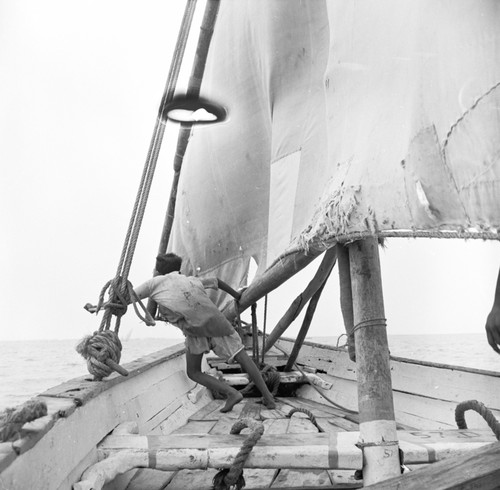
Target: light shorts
x=226, y=347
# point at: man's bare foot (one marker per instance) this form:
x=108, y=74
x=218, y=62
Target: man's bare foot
x=270, y=404
x=231, y=401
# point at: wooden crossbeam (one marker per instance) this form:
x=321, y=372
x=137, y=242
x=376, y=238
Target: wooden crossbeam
x=304, y=451
x=285, y=377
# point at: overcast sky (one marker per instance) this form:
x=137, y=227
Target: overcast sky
x=80, y=84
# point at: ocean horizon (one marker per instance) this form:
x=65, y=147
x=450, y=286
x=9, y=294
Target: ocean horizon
x=30, y=367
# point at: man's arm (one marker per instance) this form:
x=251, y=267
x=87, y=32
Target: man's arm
x=493, y=320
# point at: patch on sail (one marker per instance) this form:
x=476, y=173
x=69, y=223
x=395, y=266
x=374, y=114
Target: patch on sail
x=283, y=189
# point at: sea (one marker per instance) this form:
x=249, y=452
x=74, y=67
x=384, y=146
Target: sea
x=28, y=368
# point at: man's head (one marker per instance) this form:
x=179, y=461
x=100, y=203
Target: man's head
x=166, y=263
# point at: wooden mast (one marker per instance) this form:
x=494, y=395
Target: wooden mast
x=378, y=438
x=193, y=91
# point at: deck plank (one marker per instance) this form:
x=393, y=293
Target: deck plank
x=260, y=478
x=149, y=479
x=342, y=423
x=222, y=426
x=208, y=409
x=199, y=427
x=302, y=478
x=250, y=409
x=192, y=479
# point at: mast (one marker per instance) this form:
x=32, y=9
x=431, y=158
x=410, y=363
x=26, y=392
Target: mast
x=378, y=437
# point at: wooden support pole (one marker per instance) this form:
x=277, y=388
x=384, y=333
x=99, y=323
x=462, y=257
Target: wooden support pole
x=255, y=335
x=311, y=308
x=277, y=274
x=300, y=301
x=378, y=437
x=193, y=91
x=346, y=297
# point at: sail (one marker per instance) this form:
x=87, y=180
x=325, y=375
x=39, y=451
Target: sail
x=346, y=119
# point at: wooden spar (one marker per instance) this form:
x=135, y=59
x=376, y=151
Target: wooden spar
x=193, y=90
x=378, y=436
x=255, y=335
x=477, y=469
x=311, y=308
x=346, y=297
x=298, y=304
x=282, y=270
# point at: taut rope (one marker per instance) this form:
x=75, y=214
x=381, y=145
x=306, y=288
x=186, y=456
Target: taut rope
x=99, y=349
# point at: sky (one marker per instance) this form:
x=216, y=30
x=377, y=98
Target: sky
x=80, y=86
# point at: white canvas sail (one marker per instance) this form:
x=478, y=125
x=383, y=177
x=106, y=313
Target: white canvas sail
x=346, y=119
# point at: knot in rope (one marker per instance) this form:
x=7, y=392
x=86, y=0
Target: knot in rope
x=312, y=418
x=482, y=410
x=232, y=478
x=119, y=297
x=102, y=350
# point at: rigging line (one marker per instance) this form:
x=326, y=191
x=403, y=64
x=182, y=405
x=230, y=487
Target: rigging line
x=156, y=140
x=146, y=174
x=348, y=410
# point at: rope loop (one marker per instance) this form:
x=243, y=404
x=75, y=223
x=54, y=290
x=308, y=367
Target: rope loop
x=372, y=322
x=232, y=478
x=102, y=350
x=482, y=410
x=312, y=418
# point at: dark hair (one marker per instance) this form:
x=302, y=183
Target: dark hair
x=166, y=263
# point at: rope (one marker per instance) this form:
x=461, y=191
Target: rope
x=315, y=387
x=271, y=377
x=372, y=322
x=232, y=478
x=120, y=289
x=102, y=350
x=13, y=419
x=312, y=418
x=482, y=410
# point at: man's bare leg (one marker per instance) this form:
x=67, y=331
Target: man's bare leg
x=193, y=369
x=253, y=371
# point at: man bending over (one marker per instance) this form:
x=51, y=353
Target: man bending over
x=183, y=302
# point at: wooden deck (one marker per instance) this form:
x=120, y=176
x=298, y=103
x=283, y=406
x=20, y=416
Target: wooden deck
x=210, y=421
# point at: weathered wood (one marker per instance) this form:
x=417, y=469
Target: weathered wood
x=298, y=304
x=346, y=297
x=277, y=274
x=312, y=450
x=302, y=479
x=309, y=451
x=193, y=91
x=306, y=323
x=149, y=479
x=125, y=399
x=376, y=408
x=478, y=469
x=285, y=377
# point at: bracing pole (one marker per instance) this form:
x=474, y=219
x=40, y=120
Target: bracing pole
x=377, y=425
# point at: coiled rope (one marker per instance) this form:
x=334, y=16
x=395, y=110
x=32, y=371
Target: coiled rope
x=120, y=289
x=271, y=377
x=482, y=410
x=311, y=416
x=232, y=478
